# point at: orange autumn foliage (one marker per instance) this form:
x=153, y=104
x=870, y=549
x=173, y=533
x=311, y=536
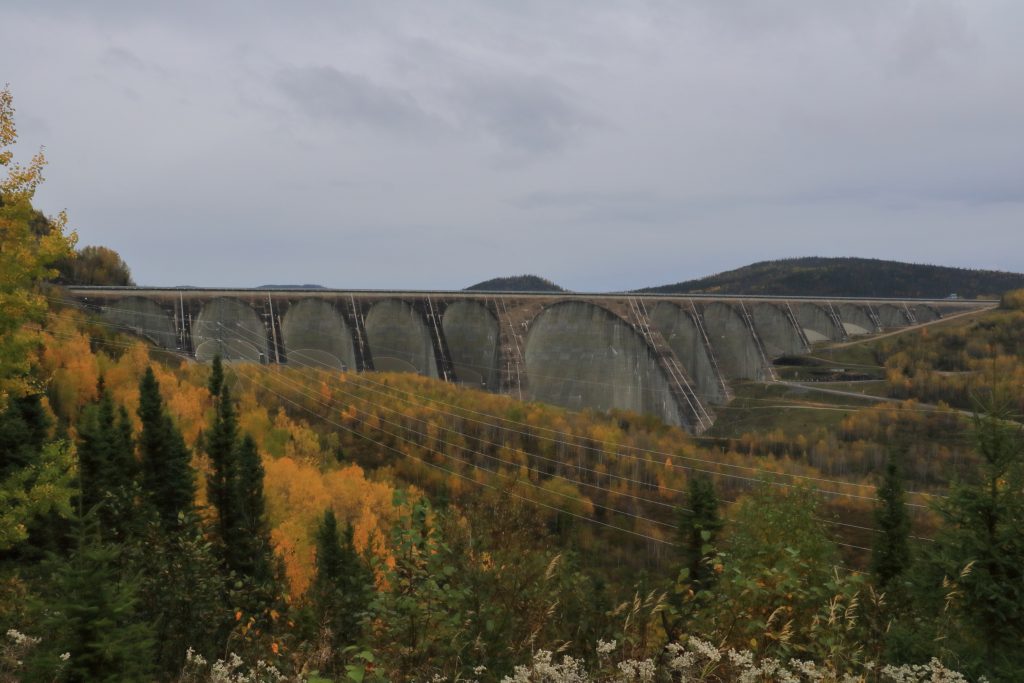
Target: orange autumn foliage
x=297, y=495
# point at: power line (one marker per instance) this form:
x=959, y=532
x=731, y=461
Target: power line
x=532, y=434
x=282, y=397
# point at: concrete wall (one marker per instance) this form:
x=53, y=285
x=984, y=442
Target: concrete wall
x=471, y=332
x=579, y=355
x=145, y=318
x=892, y=316
x=734, y=345
x=777, y=332
x=817, y=323
x=855, y=319
x=232, y=329
x=399, y=339
x=314, y=333
x=677, y=326
x=925, y=314
x=579, y=352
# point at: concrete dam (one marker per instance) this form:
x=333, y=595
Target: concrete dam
x=672, y=356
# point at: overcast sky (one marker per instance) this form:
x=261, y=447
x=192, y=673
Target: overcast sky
x=605, y=145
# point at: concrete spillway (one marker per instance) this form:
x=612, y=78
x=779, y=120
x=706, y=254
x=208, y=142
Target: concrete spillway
x=669, y=356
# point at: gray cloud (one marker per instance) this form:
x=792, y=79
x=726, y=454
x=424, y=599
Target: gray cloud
x=324, y=92
x=606, y=144
x=524, y=114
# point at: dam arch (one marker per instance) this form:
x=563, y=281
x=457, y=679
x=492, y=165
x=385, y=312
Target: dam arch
x=818, y=324
x=738, y=354
x=856, y=321
x=399, y=339
x=778, y=334
x=145, y=318
x=892, y=316
x=472, y=333
x=314, y=333
x=232, y=329
x=684, y=337
x=925, y=314
x=580, y=355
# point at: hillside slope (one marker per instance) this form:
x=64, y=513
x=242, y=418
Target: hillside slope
x=516, y=283
x=816, y=276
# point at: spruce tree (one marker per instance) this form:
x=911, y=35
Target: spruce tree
x=341, y=590
x=698, y=527
x=216, y=377
x=106, y=465
x=222, y=448
x=183, y=589
x=167, y=477
x=891, y=554
x=975, y=568
x=92, y=614
x=252, y=553
x=24, y=427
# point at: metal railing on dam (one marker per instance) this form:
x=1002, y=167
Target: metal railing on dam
x=673, y=356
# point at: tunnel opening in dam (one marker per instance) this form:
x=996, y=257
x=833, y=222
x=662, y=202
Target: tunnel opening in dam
x=579, y=355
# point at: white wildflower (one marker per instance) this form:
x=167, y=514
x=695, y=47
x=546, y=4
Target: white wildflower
x=679, y=660
x=605, y=648
x=704, y=649
x=21, y=639
x=65, y=657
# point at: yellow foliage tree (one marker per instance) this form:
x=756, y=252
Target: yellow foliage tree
x=25, y=257
x=29, y=245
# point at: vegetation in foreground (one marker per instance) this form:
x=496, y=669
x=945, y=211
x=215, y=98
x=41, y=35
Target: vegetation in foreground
x=161, y=520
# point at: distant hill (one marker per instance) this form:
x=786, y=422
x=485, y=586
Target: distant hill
x=516, y=283
x=291, y=287
x=816, y=276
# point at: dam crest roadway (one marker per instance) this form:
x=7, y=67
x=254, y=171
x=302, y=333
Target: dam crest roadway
x=672, y=356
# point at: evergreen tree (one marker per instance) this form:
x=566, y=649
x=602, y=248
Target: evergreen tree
x=106, y=465
x=223, y=452
x=182, y=593
x=167, y=477
x=251, y=551
x=216, y=377
x=891, y=554
x=419, y=621
x=24, y=427
x=975, y=569
x=36, y=480
x=698, y=527
x=91, y=614
x=341, y=590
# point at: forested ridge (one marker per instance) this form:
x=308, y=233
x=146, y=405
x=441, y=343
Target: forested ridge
x=516, y=283
x=162, y=520
x=854, y=277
